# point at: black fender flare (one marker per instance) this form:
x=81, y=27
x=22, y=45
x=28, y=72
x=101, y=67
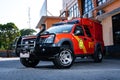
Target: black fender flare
x=61, y=42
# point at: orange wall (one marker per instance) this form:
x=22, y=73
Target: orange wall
x=50, y=21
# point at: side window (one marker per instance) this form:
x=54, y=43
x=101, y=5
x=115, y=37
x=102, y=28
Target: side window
x=79, y=31
x=87, y=31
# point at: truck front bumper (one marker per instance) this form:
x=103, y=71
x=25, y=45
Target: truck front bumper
x=45, y=51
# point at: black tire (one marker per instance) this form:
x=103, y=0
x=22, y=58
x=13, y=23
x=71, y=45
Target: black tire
x=28, y=62
x=65, y=58
x=98, y=55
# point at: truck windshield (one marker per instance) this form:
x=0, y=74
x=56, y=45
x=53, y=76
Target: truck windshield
x=66, y=28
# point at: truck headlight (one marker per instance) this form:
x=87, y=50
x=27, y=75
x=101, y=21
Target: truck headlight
x=50, y=39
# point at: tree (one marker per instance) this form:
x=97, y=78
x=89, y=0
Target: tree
x=8, y=32
x=27, y=32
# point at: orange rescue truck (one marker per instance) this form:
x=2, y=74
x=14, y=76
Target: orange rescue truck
x=62, y=43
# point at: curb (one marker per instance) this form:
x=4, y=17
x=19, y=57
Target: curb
x=8, y=59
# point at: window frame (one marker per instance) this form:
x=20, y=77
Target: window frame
x=74, y=11
x=78, y=26
x=88, y=6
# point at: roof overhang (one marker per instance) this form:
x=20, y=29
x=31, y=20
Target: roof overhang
x=43, y=19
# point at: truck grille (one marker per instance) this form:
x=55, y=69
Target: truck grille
x=28, y=43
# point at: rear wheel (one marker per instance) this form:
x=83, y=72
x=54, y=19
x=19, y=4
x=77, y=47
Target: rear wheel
x=98, y=55
x=28, y=62
x=65, y=58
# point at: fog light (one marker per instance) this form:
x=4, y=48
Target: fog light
x=43, y=49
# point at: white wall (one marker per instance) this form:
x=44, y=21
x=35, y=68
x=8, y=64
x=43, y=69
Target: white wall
x=107, y=31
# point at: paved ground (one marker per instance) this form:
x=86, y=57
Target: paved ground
x=81, y=70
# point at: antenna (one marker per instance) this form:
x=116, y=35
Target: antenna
x=29, y=19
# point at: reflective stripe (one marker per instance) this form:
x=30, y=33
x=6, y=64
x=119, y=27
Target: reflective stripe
x=91, y=44
x=81, y=44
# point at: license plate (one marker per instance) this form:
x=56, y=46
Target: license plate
x=24, y=55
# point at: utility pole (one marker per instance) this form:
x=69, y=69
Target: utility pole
x=29, y=19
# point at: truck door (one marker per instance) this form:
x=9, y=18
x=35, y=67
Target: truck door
x=79, y=36
x=84, y=42
x=89, y=40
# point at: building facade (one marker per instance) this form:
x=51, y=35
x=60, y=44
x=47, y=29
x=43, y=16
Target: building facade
x=107, y=12
x=46, y=17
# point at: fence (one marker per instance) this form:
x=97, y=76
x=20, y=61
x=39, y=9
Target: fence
x=7, y=53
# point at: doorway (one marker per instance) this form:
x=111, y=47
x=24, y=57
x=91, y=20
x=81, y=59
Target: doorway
x=116, y=29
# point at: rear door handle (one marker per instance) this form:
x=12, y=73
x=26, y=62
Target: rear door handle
x=92, y=39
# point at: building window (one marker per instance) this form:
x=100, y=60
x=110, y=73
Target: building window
x=74, y=11
x=88, y=6
x=87, y=30
x=63, y=14
x=100, y=2
x=78, y=11
x=71, y=12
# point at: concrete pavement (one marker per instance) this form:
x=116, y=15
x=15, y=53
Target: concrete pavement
x=109, y=69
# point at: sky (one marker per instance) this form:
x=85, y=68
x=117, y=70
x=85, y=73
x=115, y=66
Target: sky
x=16, y=11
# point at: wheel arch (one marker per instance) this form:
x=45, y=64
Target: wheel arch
x=66, y=41
x=98, y=46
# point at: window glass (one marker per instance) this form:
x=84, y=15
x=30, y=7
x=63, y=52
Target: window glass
x=74, y=11
x=87, y=31
x=88, y=6
x=101, y=2
x=79, y=31
x=71, y=12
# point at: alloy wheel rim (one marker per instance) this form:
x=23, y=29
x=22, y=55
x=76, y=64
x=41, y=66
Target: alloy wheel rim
x=66, y=57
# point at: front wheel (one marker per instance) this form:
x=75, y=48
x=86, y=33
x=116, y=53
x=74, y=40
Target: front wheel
x=28, y=62
x=65, y=58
